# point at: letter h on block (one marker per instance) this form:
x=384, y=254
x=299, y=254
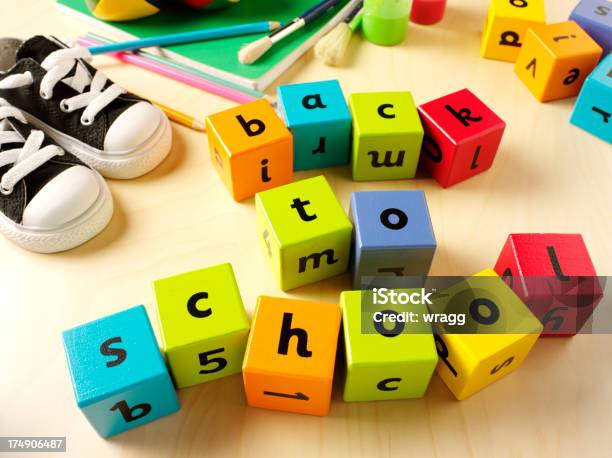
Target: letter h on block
x=118, y=374
x=553, y=274
x=304, y=232
x=250, y=148
x=290, y=356
x=393, y=236
x=462, y=136
x=501, y=329
x=319, y=119
x=203, y=324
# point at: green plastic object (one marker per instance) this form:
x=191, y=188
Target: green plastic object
x=385, y=21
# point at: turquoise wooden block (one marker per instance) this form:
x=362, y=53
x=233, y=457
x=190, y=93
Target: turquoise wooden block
x=319, y=119
x=118, y=374
x=593, y=110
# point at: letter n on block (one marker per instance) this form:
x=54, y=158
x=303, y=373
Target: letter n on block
x=290, y=356
x=118, y=374
x=304, y=232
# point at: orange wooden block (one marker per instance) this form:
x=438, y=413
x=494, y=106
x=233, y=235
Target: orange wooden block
x=251, y=148
x=555, y=59
x=289, y=361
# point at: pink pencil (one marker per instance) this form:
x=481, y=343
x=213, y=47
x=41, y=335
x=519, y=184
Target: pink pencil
x=171, y=72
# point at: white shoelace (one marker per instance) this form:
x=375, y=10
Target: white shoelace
x=58, y=64
x=25, y=159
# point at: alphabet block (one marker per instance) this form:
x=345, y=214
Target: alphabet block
x=506, y=25
x=303, y=231
x=503, y=331
x=291, y=351
x=118, y=374
x=384, y=361
x=250, y=148
x=319, y=119
x=387, y=136
x=553, y=274
x=203, y=324
x=593, y=110
x=462, y=136
x=595, y=18
x=393, y=235
x=555, y=59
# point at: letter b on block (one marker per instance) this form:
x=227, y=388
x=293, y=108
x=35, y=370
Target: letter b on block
x=119, y=377
x=250, y=148
x=203, y=324
x=304, y=232
x=289, y=362
x=503, y=332
x=506, y=25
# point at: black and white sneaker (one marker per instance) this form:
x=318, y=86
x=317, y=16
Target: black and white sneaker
x=113, y=131
x=49, y=200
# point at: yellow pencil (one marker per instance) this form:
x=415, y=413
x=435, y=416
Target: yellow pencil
x=182, y=118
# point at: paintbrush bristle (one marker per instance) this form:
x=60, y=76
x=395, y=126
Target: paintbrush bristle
x=253, y=51
x=332, y=47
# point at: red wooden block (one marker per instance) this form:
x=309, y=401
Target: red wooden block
x=462, y=136
x=427, y=12
x=553, y=274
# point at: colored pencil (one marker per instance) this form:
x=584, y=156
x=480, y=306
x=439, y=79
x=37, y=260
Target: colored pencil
x=176, y=74
x=186, y=37
x=171, y=63
x=182, y=118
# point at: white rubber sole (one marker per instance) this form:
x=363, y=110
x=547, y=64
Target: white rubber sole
x=123, y=164
x=67, y=236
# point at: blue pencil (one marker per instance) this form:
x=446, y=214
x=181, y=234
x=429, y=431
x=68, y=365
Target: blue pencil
x=187, y=37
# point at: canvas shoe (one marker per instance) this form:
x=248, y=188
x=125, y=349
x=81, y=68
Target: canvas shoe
x=113, y=131
x=49, y=200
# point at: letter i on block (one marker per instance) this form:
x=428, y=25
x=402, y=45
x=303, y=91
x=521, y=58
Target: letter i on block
x=250, y=148
x=593, y=110
x=506, y=25
x=387, y=136
x=595, y=17
x=304, y=232
x=502, y=332
x=319, y=119
x=203, y=324
x=393, y=236
x=118, y=374
x=555, y=59
x=290, y=356
x=553, y=274
x=462, y=136
x=385, y=360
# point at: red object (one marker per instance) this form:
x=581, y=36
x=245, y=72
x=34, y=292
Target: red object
x=427, y=12
x=553, y=274
x=197, y=3
x=462, y=136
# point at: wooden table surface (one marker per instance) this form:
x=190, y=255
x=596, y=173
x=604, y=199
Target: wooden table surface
x=548, y=177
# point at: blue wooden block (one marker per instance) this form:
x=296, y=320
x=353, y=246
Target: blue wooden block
x=595, y=17
x=393, y=235
x=319, y=119
x=118, y=374
x=593, y=110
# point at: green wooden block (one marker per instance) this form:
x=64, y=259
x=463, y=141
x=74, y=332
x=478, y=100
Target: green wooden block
x=203, y=324
x=304, y=232
x=382, y=367
x=387, y=136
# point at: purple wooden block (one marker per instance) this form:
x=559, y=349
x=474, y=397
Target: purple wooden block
x=595, y=17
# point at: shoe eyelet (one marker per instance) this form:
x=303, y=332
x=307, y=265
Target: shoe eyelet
x=4, y=191
x=86, y=121
x=64, y=107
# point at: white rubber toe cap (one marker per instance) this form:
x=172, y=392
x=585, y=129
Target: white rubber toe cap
x=64, y=198
x=132, y=128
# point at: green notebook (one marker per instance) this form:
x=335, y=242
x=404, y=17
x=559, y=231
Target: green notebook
x=219, y=58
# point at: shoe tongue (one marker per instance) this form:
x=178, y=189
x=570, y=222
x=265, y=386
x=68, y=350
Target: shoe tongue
x=38, y=47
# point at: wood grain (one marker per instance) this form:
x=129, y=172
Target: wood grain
x=548, y=176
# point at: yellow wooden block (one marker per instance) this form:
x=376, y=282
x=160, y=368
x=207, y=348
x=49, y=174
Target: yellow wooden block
x=506, y=25
x=555, y=60
x=501, y=329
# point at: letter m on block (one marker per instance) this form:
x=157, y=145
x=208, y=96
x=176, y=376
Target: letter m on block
x=316, y=260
